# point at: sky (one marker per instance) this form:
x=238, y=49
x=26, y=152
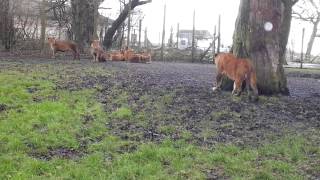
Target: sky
x=181, y=11
x=207, y=13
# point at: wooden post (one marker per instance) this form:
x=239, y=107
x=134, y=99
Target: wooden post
x=301, y=58
x=219, y=34
x=193, y=36
x=139, y=43
x=146, y=38
x=214, y=42
x=43, y=20
x=170, y=42
x=163, y=32
x=105, y=29
x=122, y=37
x=121, y=41
x=178, y=31
x=134, y=40
x=129, y=25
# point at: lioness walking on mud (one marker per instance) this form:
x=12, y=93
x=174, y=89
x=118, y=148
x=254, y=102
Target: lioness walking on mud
x=238, y=70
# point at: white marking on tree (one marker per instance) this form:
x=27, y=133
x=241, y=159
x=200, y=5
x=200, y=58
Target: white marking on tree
x=268, y=26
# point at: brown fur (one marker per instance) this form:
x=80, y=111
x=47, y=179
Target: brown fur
x=130, y=56
x=238, y=70
x=102, y=56
x=145, y=57
x=97, y=51
x=117, y=56
x=63, y=46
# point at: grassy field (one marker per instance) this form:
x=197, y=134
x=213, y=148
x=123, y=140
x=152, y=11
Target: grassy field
x=48, y=132
x=303, y=71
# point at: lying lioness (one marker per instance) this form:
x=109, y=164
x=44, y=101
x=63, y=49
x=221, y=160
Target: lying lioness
x=116, y=56
x=131, y=56
x=63, y=46
x=238, y=70
x=145, y=57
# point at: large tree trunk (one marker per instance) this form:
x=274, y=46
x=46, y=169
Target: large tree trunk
x=6, y=24
x=265, y=48
x=108, y=39
x=84, y=18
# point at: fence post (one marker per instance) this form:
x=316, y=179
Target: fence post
x=178, y=29
x=214, y=42
x=129, y=25
x=219, y=34
x=140, y=24
x=301, y=58
x=193, y=36
x=163, y=32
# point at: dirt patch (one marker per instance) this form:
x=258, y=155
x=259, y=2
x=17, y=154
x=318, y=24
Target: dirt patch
x=175, y=101
x=3, y=107
x=57, y=153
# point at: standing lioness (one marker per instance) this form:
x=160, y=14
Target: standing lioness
x=63, y=46
x=97, y=51
x=238, y=70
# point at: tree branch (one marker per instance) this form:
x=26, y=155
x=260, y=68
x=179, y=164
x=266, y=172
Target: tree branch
x=56, y=5
x=121, y=18
x=297, y=15
x=136, y=3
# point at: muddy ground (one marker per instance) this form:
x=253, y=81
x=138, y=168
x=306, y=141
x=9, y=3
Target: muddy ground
x=174, y=100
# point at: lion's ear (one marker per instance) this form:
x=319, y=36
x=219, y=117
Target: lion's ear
x=216, y=54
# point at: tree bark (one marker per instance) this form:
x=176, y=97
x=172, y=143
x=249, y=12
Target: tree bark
x=108, y=39
x=265, y=48
x=84, y=20
x=43, y=22
x=6, y=25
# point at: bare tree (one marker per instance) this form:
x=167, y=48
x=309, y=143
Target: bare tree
x=59, y=11
x=6, y=24
x=22, y=20
x=108, y=39
x=309, y=11
x=62, y=14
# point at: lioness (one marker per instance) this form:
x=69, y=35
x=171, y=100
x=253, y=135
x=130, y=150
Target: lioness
x=132, y=57
x=117, y=56
x=145, y=57
x=238, y=70
x=103, y=56
x=63, y=46
x=97, y=51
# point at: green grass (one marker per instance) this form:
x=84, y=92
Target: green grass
x=40, y=120
x=304, y=70
x=122, y=113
